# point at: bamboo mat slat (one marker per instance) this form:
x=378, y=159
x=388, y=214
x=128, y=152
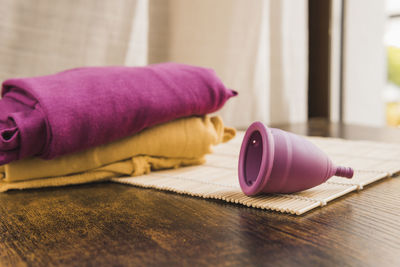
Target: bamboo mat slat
x=217, y=179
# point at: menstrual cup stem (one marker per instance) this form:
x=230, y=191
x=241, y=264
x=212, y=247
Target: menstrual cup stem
x=346, y=172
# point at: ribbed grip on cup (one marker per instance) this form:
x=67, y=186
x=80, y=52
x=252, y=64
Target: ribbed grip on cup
x=346, y=172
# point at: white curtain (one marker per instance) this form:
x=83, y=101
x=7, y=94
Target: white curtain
x=258, y=47
x=364, y=66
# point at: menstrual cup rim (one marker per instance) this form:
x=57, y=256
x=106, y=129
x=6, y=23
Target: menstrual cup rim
x=266, y=160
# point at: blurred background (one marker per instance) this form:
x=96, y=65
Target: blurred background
x=392, y=44
x=290, y=60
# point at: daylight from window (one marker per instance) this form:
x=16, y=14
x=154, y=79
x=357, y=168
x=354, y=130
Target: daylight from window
x=392, y=44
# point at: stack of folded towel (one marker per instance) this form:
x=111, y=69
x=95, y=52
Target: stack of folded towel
x=95, y=123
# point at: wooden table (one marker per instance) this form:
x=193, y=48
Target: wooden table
x=107, y=224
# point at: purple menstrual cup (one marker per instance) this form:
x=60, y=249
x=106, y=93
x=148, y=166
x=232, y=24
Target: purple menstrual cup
x=275, y=161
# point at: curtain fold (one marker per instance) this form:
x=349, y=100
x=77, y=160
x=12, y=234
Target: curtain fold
x=258, y=47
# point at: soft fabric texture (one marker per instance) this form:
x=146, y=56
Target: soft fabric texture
x=177, y=143
x=259, y=47
x=77, y=109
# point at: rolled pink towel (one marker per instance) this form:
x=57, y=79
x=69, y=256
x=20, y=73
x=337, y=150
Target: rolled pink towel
x=80, y=108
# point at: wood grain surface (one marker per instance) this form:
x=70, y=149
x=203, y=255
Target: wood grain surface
x=106, y=224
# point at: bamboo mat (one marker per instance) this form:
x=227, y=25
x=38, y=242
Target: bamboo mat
x=217, y=179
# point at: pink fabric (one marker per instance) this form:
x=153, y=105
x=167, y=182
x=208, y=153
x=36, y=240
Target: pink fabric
x=80, y=108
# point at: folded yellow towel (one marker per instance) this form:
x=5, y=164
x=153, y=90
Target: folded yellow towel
x=177, y=143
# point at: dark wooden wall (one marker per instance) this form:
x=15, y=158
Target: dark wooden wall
x=319, y=58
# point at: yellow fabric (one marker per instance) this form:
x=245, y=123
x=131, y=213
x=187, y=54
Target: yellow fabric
x=178, y=143
x=136, y=166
